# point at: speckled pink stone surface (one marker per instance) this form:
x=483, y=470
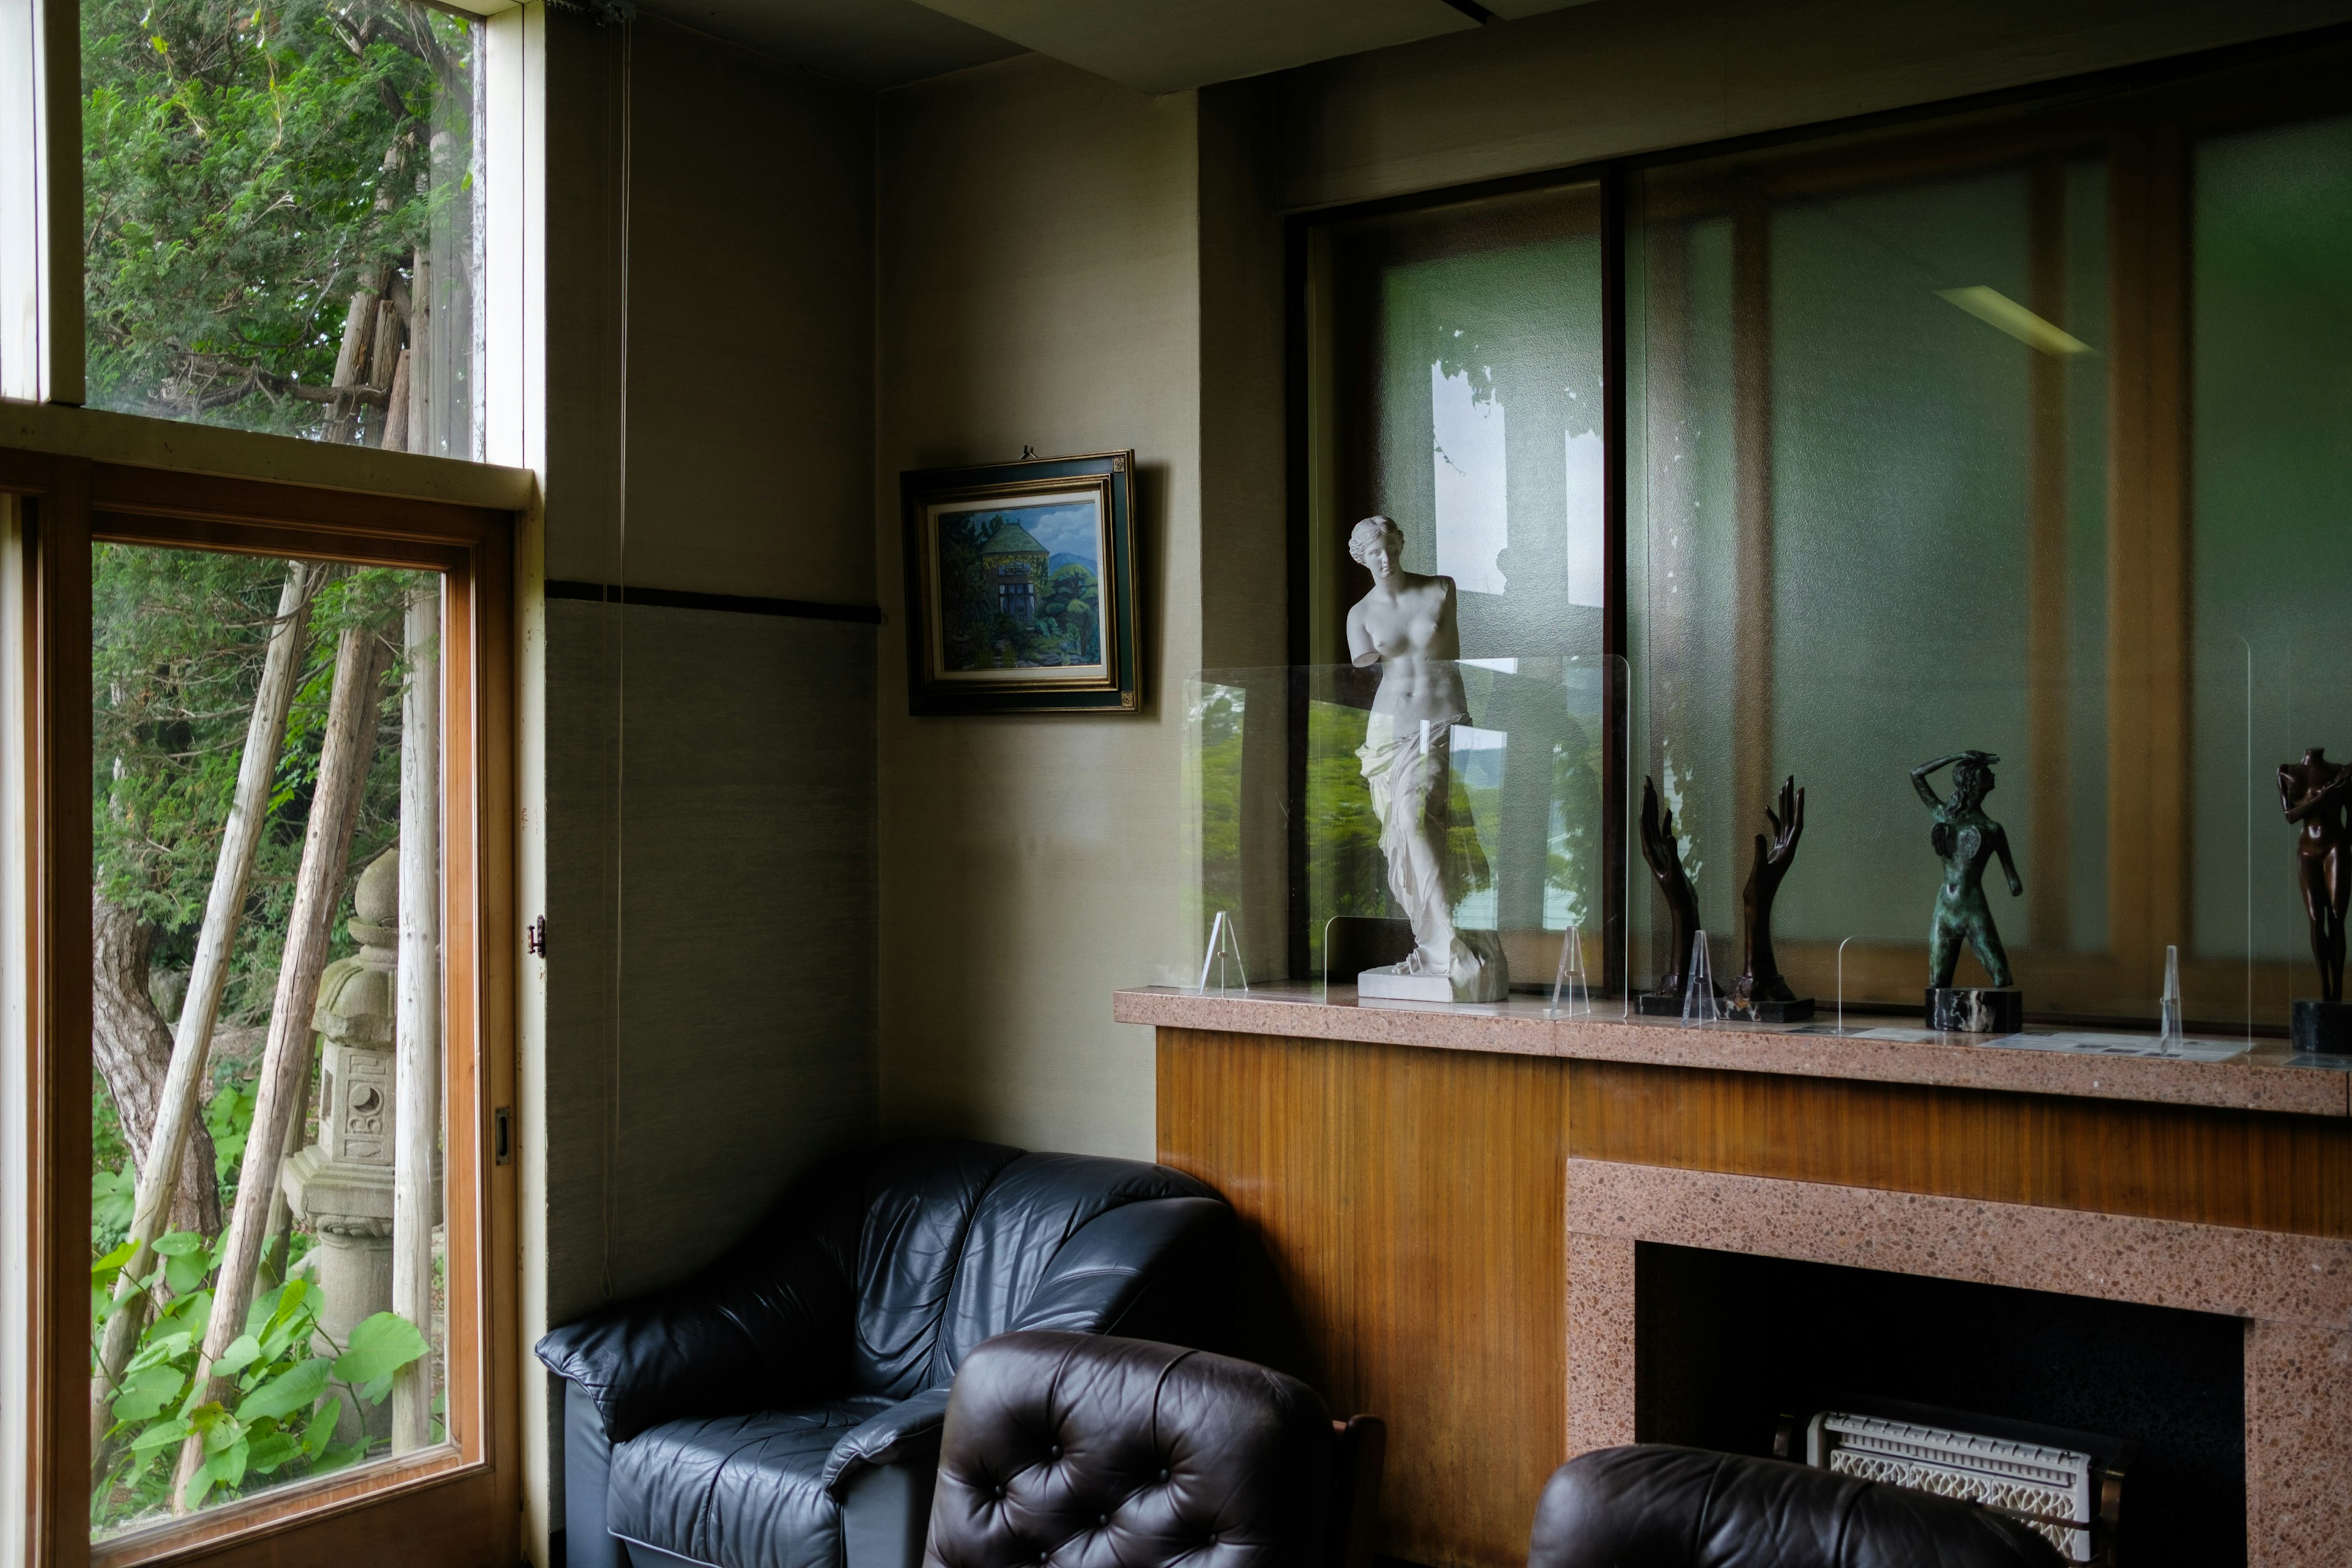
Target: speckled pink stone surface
x=2260, y=1080
x=2298, y=1446
x=2163, y=1263
x=1600, y=1343
x=2295, y=1292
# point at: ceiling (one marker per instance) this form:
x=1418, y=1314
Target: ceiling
x=873, y=43
x=1154, y=46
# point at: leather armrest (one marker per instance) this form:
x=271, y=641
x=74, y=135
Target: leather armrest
x=1160, y=1270
x=906, y=1432
x=764, y=1328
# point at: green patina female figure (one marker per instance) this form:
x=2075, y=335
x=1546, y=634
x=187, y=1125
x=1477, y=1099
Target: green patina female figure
x=1966, y=838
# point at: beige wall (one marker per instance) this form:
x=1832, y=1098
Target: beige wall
x=709, y=774
x=1630, y=76
x=1039, y=284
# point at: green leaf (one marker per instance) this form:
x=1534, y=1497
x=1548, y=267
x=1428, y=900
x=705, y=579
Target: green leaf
x=158, y=1349
x=146, y=1391
x=178, y=1243
x=164, y=1433
x=242, y=1352
x=184, y=1272
x=112, y=1262
x=267, y=1453
x=294, y=1389
x=380, y=1346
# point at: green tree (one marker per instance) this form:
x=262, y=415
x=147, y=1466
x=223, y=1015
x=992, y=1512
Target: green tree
x=260, y=183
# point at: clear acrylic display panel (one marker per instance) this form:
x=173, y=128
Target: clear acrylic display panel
x=2143, y=816
x=1284, y=838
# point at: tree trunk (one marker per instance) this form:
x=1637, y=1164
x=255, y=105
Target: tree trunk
x=132, y=1046
x=176, y=1120
x=395, y=416
x=354, y=709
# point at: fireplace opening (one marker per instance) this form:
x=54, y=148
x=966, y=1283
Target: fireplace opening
x=1728, y=1345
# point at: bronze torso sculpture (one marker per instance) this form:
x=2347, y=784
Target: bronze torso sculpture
x=2317, y=796
x=1965, y=840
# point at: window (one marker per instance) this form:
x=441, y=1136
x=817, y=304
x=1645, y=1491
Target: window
x=281, y=229
x=1460, y=381
x=2019, y=427
x=269, y=721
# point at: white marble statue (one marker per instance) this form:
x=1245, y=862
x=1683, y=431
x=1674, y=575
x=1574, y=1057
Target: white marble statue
x=1406, y=626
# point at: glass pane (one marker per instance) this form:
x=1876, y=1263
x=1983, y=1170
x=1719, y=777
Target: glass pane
x=267, y=1306
x=281, y=217
x=2272, y=471
x=1484, y=825
x=1461, y=391
x=1869, y=527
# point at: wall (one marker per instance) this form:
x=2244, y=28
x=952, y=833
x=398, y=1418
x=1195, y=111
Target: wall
x=1039, y=284
x=1630, y=76
x=709, y=774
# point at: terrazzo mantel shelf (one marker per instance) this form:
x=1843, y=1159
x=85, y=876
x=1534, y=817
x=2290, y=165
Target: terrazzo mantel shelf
x=2261, y=1080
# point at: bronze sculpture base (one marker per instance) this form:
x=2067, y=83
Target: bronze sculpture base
x=1664, y=1003
x=1976, y=1009
x=1773, y=1010
x=2322, y=1026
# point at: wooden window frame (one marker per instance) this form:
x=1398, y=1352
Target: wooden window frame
x=456, y=1508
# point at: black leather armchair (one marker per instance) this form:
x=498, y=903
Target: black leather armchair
x=1096, y=1452
x=781, y=1409
x=1652, y=1506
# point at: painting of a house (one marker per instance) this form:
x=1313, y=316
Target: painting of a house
x=1020, y=587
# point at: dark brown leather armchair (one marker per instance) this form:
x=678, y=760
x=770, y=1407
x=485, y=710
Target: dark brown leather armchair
x=1651, y=1506
x=1089, y=1452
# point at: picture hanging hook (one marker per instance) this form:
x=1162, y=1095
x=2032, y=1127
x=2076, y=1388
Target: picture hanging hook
x=1027, y=452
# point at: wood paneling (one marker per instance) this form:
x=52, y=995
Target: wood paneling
x=1403, y=1217
x=2216, y=1167
x=1403, y=1233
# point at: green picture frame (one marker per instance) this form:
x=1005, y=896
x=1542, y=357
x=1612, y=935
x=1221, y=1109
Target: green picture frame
x=1021, y=587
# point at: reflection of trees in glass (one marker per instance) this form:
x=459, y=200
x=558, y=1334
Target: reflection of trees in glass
x=276, y=199
x=1217, y=717
x=1573, y=855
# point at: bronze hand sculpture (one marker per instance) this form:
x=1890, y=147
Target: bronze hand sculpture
x=1760, y=983
x=1966, y=838
x=2317, y=795
x=1663, y=851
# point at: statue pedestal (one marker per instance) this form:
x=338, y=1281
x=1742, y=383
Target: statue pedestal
x=2322, y=1026
x=1976, y=1009
x=1791, y=1010
x=1388, y=986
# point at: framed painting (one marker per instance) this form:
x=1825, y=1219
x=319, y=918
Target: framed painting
x=1021, y=587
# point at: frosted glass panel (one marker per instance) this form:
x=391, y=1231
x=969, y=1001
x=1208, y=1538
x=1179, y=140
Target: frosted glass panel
x=1869, y=527
x=2273, y=476
x=1462, y=398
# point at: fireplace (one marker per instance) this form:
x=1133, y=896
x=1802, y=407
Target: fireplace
x=1702, y=1306
x=1729, y=1345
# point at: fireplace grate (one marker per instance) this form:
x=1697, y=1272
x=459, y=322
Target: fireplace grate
x=2065, y=1495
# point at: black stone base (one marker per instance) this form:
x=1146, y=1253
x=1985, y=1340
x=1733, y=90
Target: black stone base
x=1976, y=1009
x=1664, y=1003
x=1795, y=1010
x=2322, y=1026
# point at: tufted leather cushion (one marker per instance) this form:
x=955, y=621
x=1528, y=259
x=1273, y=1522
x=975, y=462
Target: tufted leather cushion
x=1079, y=1451
x=1652, y=1506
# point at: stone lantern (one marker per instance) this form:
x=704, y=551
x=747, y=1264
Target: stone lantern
x=342, y=1184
